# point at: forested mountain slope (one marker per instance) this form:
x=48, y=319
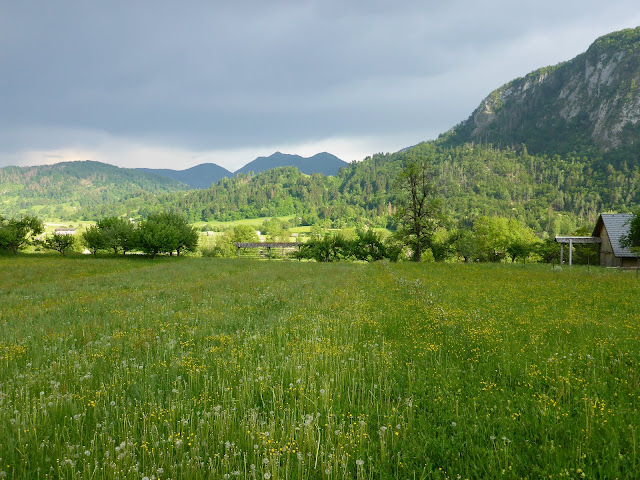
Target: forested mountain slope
x=589, y=105
x=60, y=190
x=549, y=193
x=199, y=176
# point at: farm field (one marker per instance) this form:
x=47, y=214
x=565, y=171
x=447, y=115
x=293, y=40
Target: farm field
x=197, y=368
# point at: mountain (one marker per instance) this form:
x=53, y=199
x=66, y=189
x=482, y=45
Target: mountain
x=323, y=163
x=200, y=176
x=60, y=190
x=206, y=174
x=588, y=105
x=552, y=194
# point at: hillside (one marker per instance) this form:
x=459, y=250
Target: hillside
x=323, y=163
x=552, y=194
x=588, y=105
x=60, y=190
x=204, y=175
x=200, y=176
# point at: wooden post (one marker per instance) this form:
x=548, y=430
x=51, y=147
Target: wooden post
x=238, y=253
x=269, y=249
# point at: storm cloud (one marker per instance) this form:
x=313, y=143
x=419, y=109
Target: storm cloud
x=168, y=84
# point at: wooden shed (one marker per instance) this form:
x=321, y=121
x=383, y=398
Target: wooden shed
x=609, y=228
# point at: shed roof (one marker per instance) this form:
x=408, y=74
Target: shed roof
x=617, y=225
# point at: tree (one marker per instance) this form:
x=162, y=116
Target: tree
x=187, y=236
x=549, y=250
x=464, y=243
x=330, y=248
x=93, y=239
x=419, y=212
x=155, y=236
x=17, y=233
x=632, y=239
x=492, y=237
x=585, y=253
x=118, y=234
x=499, y=238
x=166, y=233
x=368, y=246
x=244, y=233
x=59, y=243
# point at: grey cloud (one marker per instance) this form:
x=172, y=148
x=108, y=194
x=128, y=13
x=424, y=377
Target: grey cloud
x=206, y=75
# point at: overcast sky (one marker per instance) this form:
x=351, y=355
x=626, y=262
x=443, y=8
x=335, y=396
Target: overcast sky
x=166, y=84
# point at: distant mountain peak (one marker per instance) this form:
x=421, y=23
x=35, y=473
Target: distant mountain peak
x=324, y=163
x=199, y=176
x=203, y=175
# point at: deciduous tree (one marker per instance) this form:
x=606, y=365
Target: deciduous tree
x=93, y=239
x=16, y=233
x=632, y=239
x=59, y=243
x=166, y=233
x=118, y=234
x=419, y=211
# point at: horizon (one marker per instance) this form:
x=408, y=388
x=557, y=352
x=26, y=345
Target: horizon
x=230, y=87
x=180, y=170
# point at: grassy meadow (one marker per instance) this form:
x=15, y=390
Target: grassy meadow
x=128, y=368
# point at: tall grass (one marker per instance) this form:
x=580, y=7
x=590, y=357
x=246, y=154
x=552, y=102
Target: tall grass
x=212, y=368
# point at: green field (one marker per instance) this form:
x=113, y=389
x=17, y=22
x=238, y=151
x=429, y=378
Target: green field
x=116, y=368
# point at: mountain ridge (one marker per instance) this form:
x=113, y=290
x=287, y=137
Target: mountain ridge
x=206, y=174
x=588, y=105
x=323, y=162
x=200, y=176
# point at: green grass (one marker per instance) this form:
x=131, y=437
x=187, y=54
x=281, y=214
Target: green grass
x=212, y=368
x=254, y=222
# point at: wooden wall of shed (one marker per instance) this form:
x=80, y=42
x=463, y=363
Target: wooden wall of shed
x=629, y=262
x=607, y=259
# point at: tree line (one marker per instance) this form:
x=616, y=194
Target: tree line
x=159, y=233
x=550, y=194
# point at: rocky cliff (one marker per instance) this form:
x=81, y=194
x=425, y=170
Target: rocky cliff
x=588, y=104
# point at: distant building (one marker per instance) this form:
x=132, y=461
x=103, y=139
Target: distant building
x=65, y=231
x=609, y=228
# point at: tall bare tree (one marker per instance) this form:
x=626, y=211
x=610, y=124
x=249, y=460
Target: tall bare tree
x=419, y=211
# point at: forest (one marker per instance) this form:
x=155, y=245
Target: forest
x=550, y=194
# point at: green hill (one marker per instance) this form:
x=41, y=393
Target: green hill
x=61, y=190
x=200, y=176
x=551, y=194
